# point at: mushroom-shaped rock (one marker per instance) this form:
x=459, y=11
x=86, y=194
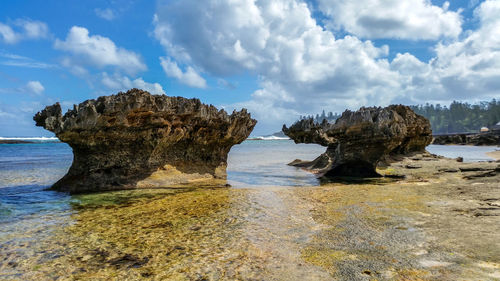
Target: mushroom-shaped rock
x=139, y=140
x=358, y=140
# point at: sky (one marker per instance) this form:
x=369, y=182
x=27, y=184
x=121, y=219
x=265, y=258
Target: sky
x=278, y=58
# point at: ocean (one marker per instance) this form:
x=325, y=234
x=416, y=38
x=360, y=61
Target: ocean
x=30, y=214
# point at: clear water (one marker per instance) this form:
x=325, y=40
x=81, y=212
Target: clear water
x=469, y=153
x=30, y=214
x=27, y=169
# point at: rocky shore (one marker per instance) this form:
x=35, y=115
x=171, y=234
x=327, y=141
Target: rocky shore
x=468, y=139
x=438, y=219
x=359, y=140
x=14, y=141
x=138, y=140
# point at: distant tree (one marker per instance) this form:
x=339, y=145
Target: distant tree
x=460, y=117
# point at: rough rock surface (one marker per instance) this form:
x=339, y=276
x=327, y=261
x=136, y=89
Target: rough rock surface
x=468, y=139
x=139, y=140
x=358, y=140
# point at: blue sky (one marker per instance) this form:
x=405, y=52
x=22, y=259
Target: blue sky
x=280, y=59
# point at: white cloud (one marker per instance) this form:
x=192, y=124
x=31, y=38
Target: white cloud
x=22, y=61
x=74, y=68
x=465, y=69
x=8, y=35
x=99, y=51
x=34, y=87
x=223, y=83
x=401, y=19
x=106, y=14
x=117, y=82
x=23, y=29
x=303, y=68
x=33, y=29
x=4, y=114
x=190, y=77
x=31, y=87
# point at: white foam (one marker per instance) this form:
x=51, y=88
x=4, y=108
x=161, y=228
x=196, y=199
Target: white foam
x=269, y=138
x=30, y=138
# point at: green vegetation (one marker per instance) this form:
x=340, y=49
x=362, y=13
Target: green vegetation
x=330, y=117
x=458, y=117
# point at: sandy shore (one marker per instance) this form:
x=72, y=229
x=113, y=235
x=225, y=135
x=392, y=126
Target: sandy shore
x=494, y=154
x=433, y=219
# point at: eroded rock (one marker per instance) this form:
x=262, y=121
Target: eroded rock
x=491, y=138
x=358, y=140
x=139, y=140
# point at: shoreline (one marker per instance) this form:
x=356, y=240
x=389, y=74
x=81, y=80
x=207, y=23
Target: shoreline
x=438, y=222
x=494, y=154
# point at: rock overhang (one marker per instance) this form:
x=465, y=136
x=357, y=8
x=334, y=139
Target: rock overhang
x=139, y=140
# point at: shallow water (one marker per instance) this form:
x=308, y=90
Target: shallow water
x=255, y=230
x=469, y=153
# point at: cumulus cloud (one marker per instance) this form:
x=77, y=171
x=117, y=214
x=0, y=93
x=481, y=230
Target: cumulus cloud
x=408, y=19
x=99, y=51
x=22, y=29
x=31, y=87
x=464, y=69
x=117, y=82
x=303, y=68
x=190, y=77
x=106, y=14
x=34, y=87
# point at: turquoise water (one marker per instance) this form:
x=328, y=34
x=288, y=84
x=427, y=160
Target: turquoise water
x=34, y=220
x=26, y=170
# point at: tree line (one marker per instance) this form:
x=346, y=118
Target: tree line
x=458, y=117
x=330, y=117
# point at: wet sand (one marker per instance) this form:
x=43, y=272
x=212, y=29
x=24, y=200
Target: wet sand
x=441, y=222
x=494, y=154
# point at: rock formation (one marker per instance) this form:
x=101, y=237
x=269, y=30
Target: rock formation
x=468, y=139
x=358, y=140
x=139, y=140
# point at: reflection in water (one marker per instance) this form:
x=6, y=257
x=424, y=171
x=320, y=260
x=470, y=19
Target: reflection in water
x=175, y=234
x=263, y=163
x=257, y=230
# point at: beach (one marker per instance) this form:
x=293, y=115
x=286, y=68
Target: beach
x=494, y=154
x=276, y=222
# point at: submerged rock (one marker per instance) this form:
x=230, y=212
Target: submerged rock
x=139, y=140
x=358, y=140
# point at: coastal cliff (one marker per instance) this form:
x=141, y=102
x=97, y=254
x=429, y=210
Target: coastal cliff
x=139, y=140
x=358, y=140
